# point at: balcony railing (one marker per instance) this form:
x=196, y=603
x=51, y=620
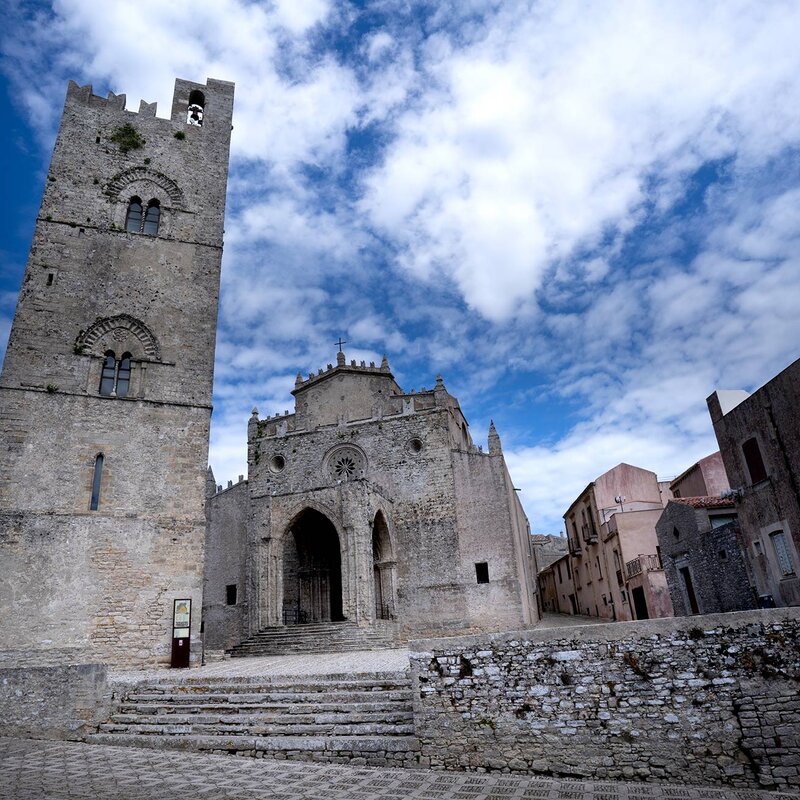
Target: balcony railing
x=647, y=563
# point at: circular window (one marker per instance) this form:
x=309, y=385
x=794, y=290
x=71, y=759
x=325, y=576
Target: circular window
x=277, y=464
x=414, y=445
x=346, y=463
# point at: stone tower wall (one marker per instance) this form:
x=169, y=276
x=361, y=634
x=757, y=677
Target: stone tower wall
x=103, y=580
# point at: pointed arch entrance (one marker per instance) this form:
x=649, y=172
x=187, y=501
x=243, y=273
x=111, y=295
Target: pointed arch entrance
x=382, y=563
x=312, y=570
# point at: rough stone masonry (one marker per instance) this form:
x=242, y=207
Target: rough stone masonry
x=703, y=700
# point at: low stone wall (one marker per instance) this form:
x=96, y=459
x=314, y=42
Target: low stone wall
x=703, y=700
x=58, y=702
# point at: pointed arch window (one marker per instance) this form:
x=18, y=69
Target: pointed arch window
x=143, y=220
x=151, y=218
x=115, y=379
x=133, y=219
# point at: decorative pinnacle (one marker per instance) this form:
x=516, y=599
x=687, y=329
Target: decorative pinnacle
x=494, y=440
x=340, y=362
x=254, y=412
x=439, y=382
x=384, y=362
x=299, y=379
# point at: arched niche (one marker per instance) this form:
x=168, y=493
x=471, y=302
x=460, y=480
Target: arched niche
x=382, y=568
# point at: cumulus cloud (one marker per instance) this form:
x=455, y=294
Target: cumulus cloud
x=585, y=215
x=556, y=129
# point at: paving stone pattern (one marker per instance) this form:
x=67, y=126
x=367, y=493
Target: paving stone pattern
x=44, y=770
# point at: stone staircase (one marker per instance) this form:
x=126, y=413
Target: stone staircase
x=357, y=718
x=315, y=637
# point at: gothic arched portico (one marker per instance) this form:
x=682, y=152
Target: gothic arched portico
x=312, y=570
x=382, y=568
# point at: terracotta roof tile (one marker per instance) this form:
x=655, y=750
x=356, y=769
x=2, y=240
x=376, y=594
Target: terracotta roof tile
x=706, y=502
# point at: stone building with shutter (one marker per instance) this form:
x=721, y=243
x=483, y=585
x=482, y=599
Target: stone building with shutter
x=702, y=555
x=370, y=506
x=759, y=439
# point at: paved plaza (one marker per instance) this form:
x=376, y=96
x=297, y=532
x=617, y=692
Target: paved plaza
x=30, y=770
x=34, y=769
x=327, y=664
x=347, y=663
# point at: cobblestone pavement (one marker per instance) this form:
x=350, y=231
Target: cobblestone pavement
x=550, y=620
x=46, y=770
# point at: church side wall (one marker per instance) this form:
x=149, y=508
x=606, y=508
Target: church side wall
x=225, y=625
x=488, y=531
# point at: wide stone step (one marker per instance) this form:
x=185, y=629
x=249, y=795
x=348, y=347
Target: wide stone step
x=350, y=746
x=192, y=706
x=302, y=683
x=311, y=717
x=313, y=637
x=270, y=696
x=217, y=728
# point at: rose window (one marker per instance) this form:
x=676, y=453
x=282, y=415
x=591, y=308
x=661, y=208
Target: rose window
x=344, y=466
x=346, y=463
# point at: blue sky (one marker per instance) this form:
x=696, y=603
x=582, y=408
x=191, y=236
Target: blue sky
x=584, y=215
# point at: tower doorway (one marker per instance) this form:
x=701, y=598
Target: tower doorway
x=312, y=571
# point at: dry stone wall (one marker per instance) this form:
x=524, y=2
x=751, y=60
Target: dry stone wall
x=710, y=699
x=56, y=702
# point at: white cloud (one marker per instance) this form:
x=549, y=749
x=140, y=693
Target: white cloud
x=529, y=144
x=488, y=195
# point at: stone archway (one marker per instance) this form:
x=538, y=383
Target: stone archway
x=312, y=570
x=382, y=563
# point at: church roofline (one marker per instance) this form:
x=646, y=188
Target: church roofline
x=343, y=367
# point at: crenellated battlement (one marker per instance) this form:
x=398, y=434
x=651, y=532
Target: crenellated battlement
x=372, y=392
x=342, y=366
x=211, y=90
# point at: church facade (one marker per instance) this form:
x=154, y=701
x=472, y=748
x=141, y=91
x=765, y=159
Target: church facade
x=372, y=505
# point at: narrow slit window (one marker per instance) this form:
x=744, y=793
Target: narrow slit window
x=755, y=463
x=133, y=219
x=482, y=572
x=151, y=218
x=230, y=594
x=96, y=479
x=782, y=552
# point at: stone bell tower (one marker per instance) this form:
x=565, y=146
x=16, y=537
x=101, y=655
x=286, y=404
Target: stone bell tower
x=105, y=395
